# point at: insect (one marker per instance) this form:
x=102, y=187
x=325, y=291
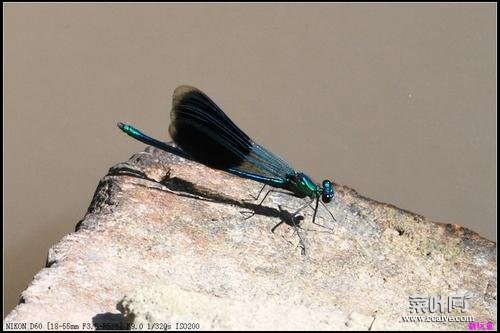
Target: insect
x=203, y=133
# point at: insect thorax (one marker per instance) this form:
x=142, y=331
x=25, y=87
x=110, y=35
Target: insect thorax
x=303, y=186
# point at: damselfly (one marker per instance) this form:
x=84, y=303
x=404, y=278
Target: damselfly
x=203, y=133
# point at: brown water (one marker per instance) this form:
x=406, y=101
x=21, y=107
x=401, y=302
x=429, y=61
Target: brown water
x=397, y=101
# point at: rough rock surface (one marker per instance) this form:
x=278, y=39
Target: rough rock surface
x=165, y=242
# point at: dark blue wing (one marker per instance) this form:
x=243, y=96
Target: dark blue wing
x=203, y=131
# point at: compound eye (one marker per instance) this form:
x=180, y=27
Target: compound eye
x=328, y=191
x=326, y=197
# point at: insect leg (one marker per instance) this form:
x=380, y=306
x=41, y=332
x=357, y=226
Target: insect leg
x=316, y=209
x=333, y=217
x=252, y=213
x=296, y=227
x=254, y=198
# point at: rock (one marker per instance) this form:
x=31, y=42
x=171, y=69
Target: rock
x=196, y=310
x=166, y=242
